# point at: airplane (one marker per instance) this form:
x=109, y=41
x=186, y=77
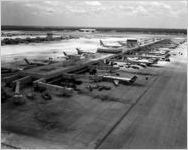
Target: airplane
x=138, y=61
x=135, y=66
x=116, y=79
x=109, y=46
x=122, y=43
x=80, y=52
x=36, y=63
x=124, y=65
x=155, y=56
x=143, y=59
x=159, y=52
x=72, y=57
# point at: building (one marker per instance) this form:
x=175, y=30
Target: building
x=87, y=30
x=132, y=43
x=49, y=35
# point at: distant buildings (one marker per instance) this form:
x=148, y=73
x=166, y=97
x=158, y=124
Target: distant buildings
x=49, y=35
x=87, y=30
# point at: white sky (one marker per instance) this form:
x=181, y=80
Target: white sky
x=152, y=14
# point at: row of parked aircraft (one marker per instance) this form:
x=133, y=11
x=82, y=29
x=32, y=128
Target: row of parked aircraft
x=116, y=48
x=142, y=60
x=136, y=61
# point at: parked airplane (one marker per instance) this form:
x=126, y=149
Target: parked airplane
x=128, y=65
x=135, y=66
x=109, y=46
x=158, y=53
x=109, y=50
x=139, y=61
x=155, y=56
x=122, y=43
x=116, y=79
x=143, y=59
x=36, y=63
x=80, y=52
x=72, y=57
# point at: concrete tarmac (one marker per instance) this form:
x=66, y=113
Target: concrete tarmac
x=159, y=120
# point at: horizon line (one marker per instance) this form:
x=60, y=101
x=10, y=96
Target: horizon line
x=99, y=27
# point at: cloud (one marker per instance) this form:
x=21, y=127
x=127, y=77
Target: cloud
x=93, y=3
x=75, y=9
x=101, y=12
x=114, y=8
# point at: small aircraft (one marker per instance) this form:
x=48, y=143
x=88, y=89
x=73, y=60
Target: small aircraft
x=109, y=46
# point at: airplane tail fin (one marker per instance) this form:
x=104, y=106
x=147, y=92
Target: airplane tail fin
x=64, y=53
x=101, y=43
x=79, y=51
x=120, y=43
x=27, y=61
x=133, y=79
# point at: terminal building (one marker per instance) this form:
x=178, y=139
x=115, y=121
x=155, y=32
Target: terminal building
x=132, y=43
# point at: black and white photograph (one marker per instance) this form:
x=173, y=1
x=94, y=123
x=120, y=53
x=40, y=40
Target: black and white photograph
x=94, y=74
